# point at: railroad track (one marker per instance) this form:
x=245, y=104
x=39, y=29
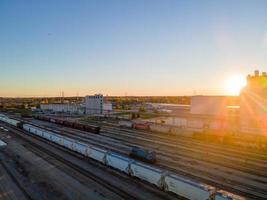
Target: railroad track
x=238, y=153
x=14, y=179
x=262, y=181
x=117, y=190
x=257, y=164
x=165, y=154
x=34, y=146
x=221, y=181
x=223, y=150
x=202, y=175
x=57, y=159
x=122, y=139
x=202, y=156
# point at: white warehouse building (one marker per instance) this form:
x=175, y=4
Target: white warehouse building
x=93, y=105
x=66, y=108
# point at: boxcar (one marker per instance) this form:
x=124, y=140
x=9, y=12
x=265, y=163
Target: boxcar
x=59, y=121
x=78, y=126
x=68, y=124
x=141, y=126
x=91, y=128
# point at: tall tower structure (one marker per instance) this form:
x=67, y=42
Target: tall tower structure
x=253, y=104
x=94, y=104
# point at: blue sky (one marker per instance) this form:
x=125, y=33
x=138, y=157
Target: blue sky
x=149, y=47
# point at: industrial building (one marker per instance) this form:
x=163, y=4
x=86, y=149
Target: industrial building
x=214, y=112
x=107, y=108
x=246, y=113
x=65, y=108
x=94, y=104
x=209, y=105
x=253, y=104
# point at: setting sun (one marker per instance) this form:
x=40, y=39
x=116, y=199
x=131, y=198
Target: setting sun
x=234, y=84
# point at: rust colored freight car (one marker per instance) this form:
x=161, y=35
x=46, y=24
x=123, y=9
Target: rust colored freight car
x=78, y=126
x=59, y=121
x=39, y=117
x=141, y=126
x=90, y=128
x=46, y=118
x=68, y=124
x=75, y=125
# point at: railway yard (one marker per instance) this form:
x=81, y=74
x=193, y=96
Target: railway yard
x=62, y=175
x=133, y=100
x=32, y=166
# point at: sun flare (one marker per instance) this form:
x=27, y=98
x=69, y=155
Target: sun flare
x=234, y=84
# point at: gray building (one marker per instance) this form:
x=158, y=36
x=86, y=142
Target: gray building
x=94, y=104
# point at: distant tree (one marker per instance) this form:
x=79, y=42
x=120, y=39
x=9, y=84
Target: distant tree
x=142, y=109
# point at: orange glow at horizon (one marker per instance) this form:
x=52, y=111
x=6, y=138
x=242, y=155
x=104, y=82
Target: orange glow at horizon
x=234, y=84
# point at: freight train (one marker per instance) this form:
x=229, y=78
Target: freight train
x=70, y=124
x=164, y=180
x=135, y=125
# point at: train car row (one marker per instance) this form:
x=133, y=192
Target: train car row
x=163, y=179
x=141, y=154
x=149, y=126
x=75, y=125
x=212, y=132
x=194, y=124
